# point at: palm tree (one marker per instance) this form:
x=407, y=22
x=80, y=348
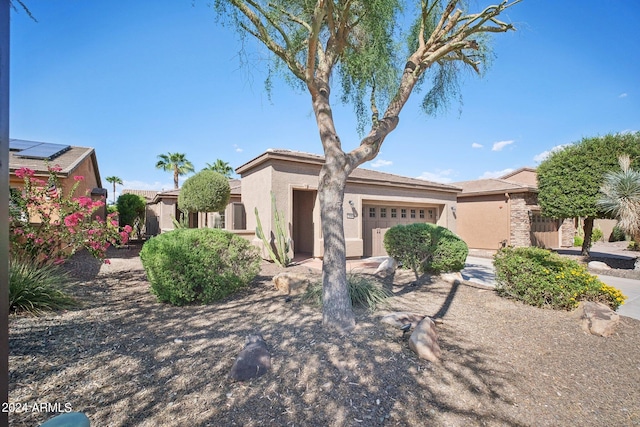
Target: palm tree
x=114, y=180
x=176, y=163
x=221, y=167
x=620, y=196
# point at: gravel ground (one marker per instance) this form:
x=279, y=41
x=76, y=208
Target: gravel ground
x=126, y=360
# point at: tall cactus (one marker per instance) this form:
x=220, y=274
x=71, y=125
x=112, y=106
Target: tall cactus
x=281, y=240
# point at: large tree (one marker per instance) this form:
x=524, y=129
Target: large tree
x=176, y=163
x=378, y=57
x=569, y=180
x=221, y=167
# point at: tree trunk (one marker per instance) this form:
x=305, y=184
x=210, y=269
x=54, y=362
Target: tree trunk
x=337, y=313
x=588, y=231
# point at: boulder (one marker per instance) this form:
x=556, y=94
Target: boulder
x=597, y=318
x=402, y=318
x=253, y=361
x=291, y=283
x=387, y=267
x=424, y=341
x=598, y=265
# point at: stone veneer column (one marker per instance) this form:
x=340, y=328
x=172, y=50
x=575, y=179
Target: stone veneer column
x=520, y=222
x=567, y=232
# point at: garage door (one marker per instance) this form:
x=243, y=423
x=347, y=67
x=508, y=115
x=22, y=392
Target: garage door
x=545, y=232
x=377, y=219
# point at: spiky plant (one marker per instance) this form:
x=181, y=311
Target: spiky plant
x=620, y=196
x=34, y=288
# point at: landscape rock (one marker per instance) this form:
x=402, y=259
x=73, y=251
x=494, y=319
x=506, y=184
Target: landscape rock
x=597, y=318
x=387, y=267
x=253, y=361
x=402, y=318
x=598, y=265
x=424, y=341
x=291, y=283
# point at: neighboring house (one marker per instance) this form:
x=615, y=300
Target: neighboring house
x=504, y=211
x=73, y=161
x=373, y=202
x=162, y=209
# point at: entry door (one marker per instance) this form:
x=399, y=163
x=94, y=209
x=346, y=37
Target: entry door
x=545, y=231
x=303, y=225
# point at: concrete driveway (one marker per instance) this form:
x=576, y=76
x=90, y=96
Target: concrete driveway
x=480, y=270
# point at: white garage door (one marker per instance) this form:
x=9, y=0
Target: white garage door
x=377, y=219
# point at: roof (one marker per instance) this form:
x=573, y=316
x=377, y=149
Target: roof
x=492, y=186
x=148, y=195
x=359, y=175
x=155, y=196
x=68, y=161
x=517, y=171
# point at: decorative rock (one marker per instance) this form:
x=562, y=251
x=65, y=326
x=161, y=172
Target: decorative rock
x=598, y=265
x=291, y=283
x=452, y=277
x=402, y=318
x=253, y=361
x=424, y=341
x=597, y=318
x=387, y=267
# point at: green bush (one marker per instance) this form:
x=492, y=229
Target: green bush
x=542, y=278
x=617, y=235
x=34, y=288
x=363, y=291
x=426, y=248
x=596, y=235
x=577, y=240
x=131, y=209
x=198, y=265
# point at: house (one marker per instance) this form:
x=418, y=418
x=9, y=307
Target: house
x=493, y=213
x=72, y=161
x=373, y=202
x=162, y=209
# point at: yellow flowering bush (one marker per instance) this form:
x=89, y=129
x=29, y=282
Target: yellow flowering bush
x=544, y=279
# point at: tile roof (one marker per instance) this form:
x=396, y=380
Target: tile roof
x=358, y=175
x=68, y=161
x=492, y=185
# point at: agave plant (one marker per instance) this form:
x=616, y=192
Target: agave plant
x=620, y=196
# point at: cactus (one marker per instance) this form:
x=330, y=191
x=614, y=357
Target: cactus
x=281, y=241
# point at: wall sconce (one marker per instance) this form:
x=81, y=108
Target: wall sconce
x=354, y=212
x=530, y=213
x=453, y=209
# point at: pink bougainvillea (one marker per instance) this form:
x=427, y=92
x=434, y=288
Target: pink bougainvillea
x=51, y=229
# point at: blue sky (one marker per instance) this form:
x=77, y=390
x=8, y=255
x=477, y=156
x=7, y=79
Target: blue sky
x=137, y=79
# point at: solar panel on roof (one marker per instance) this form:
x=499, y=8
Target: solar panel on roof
x=44, y=151
x=19, y=144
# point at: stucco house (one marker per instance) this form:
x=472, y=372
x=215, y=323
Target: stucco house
x=504, y=211
x=374, y=201
x=73, y=161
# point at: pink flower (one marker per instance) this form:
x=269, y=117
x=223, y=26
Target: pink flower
x=55, y=168
x=106, y=261
x=78, y=178
x=22, y=172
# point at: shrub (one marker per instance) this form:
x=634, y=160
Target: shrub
x=617, y=235
x=131, y=209
x=596, y=235
x=34, y=288
x=363, y=291
x=541, y=278
x=426, y=248
x=206, y=191
x=198, y=265
x=577, y=240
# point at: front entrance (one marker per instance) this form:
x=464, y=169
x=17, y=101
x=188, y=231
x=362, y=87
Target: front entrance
x=303, y=233
x=377, y=219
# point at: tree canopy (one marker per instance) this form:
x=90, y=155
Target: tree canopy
x=569, y=180
x=221, y=167
x=206, y=191
x=176, y=163
x=114, y=180
x=376, y=55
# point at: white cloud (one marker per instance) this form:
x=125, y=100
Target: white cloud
x=476, y=145
x=498, y=146
x=622, y=95
x=142, y=185
x=443, y=176
x=238, y=149
x=495, y=174
x=379, y=163
x=543, y=156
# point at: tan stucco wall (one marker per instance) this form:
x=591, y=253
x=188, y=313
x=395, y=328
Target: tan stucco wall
x=283, y=177
x=525, y=177
x=483, y=221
